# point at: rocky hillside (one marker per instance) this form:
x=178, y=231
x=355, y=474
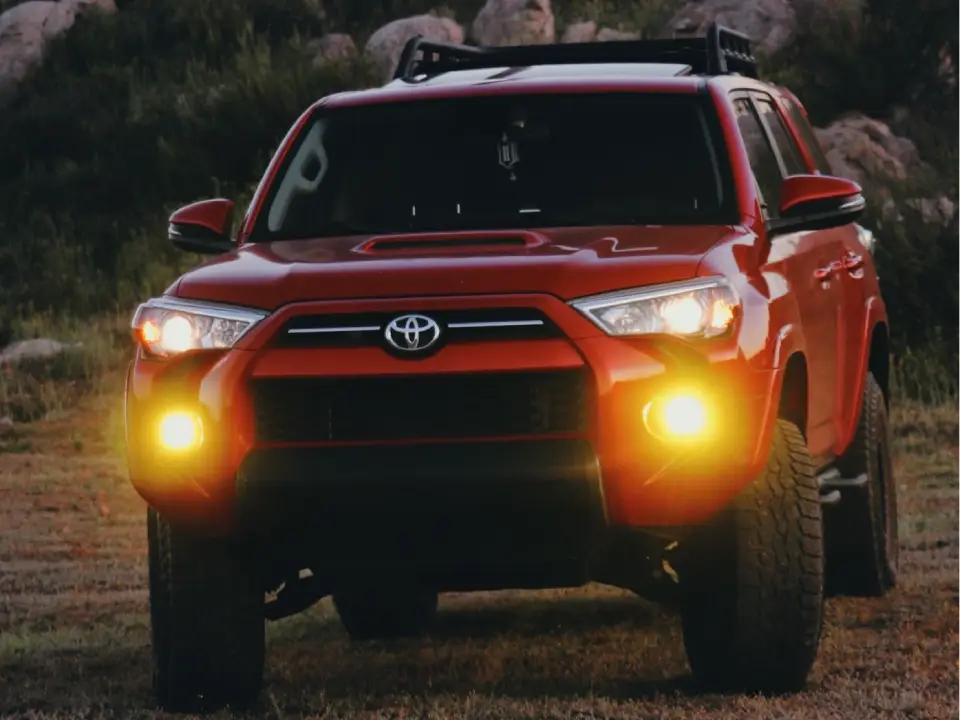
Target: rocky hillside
x=114, y=111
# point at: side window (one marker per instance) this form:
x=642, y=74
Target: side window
x=792, y=157
x=763, y=161
x=809, y=137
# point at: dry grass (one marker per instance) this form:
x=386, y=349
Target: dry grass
x=74, y=632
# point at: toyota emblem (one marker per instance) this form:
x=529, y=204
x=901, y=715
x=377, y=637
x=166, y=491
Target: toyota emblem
x=412, y=333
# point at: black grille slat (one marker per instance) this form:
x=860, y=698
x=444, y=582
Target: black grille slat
x=366, y=329
x=419, y=407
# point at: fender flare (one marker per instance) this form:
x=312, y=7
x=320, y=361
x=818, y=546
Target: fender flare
x=788, y=342
x=876, y=315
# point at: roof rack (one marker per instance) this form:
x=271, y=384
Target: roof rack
x=721, y=51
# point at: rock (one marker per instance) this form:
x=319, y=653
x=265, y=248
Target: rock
x=33, y=349
x=581, y=32
x=335, y=47
x=768, y=23
x=26, y=29
x=867, y=151
x=861, y=148
x=610, y=35
x=6, y=426
x=587, y=32
x=386, y=44
x=514, y=22
x=934, y=211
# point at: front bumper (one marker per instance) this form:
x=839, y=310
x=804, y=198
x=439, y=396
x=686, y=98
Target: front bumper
x=447, y=514
x=641, y=482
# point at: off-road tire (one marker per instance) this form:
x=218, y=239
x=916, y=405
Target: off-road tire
x=862, y=538
x=751, y=601
x=370, y=615
x=207, y=626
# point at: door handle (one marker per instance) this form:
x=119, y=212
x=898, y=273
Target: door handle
x=824, y=273
x=852, y=262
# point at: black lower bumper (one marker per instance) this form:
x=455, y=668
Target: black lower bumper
x=451, y=515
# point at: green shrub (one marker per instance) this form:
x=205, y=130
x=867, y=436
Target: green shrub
x=131, y=115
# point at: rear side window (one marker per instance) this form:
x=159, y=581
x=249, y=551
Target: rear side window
x=800, y=122
x=789, y=151
x=763, y=161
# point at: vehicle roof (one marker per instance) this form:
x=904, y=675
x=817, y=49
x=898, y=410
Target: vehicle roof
x=573, y=77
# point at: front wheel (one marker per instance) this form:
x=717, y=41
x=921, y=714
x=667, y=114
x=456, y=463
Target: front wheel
x=752, y=581
x=206, y=615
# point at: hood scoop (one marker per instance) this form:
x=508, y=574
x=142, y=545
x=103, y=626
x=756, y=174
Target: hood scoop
x=458, y=242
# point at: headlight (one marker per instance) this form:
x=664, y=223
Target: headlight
x=701, y=308
x=166, y=326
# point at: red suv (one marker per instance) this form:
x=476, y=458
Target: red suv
x=525, y=317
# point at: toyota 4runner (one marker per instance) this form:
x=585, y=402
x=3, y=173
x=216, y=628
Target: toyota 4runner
x=524, y=317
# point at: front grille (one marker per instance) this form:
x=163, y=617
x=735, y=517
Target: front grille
x=420, y=407
x=367, y=329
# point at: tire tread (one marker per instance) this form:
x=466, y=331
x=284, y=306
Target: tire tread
x=766, y=634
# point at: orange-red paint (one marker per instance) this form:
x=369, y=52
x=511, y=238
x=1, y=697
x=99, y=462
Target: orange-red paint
x=786, y=310
x=802, y=189
x=214, y=215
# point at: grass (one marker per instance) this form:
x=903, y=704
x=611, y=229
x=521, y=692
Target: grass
x=74, y=633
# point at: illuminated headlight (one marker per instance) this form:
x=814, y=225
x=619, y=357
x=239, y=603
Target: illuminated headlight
x=166, y=326
x=702, y=308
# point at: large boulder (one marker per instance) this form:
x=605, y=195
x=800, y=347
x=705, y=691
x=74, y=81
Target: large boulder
x=585, y=32
x=867, y=151
x=768, y=23
x=27, y=28
x=612, y=35
x=386, y=44
x=580, y=32
x=863, y=149
x=514, y=22
x=35, y=349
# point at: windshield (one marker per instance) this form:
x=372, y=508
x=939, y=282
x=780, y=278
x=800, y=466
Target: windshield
x=498, y=162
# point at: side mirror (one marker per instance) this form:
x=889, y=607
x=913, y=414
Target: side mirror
x=203, y=227
x=817, y=202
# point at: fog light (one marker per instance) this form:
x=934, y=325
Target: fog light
x=679, y=416
x=684, y=416
x=180, y=431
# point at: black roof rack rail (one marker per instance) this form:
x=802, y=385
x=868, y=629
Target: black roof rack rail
x=721, y=51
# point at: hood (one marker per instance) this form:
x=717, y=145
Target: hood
x=566, y=263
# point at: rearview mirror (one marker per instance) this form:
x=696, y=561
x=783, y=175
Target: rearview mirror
x=817, y=202
x=203, y=227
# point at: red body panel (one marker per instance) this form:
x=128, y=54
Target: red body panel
x=786, y=310
x=566, y=262
x=803, y=188
x=213, y=215
x=640, y=474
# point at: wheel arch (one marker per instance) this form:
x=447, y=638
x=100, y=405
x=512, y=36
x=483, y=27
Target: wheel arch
x=878, y=361
x=794, y=392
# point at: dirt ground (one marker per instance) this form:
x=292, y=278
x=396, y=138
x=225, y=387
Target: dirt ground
x=74, y=639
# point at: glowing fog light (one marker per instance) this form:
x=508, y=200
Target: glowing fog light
x=680, y=416
x=684, y=416
x=180, y=431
